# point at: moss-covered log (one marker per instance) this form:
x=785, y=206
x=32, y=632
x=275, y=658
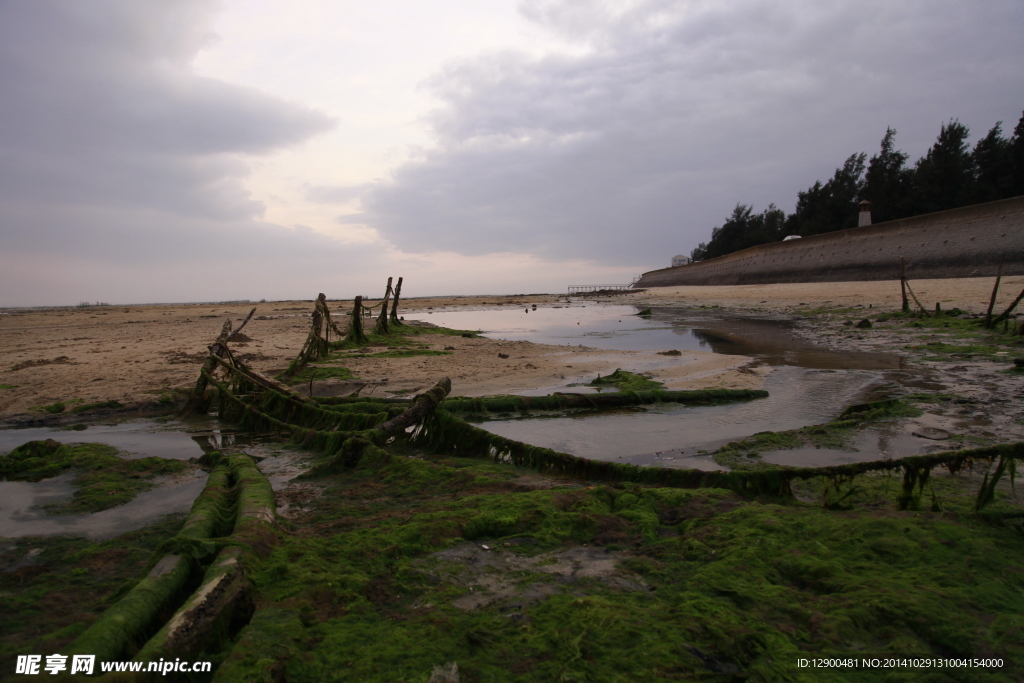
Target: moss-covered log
x=423, y=406
x=510, y=404
x=127, y=623
x=447, y=433
x=204, y=620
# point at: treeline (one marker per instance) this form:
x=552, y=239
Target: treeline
x=950, y=175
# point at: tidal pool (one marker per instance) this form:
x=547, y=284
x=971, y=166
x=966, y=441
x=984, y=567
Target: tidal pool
x=809, y=384
x=770, y=341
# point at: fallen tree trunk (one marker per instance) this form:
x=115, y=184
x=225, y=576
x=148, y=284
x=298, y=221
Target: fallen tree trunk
x=127, y=623
x=422, y=407
x=508, y=404
x=204, y=621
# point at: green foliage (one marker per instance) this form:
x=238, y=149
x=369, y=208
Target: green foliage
x=949, y=175
x=832, y=206
x=8, y=386
x=741, y=230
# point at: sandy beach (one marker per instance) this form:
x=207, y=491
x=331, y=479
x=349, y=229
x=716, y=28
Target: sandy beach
x=144, y=356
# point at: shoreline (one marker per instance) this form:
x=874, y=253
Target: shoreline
x=143, y=357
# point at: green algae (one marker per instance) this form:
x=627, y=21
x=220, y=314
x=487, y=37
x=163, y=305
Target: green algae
x=711, y=585
x=109, y=405
x=318, y=372
x=49, y=600
x=627, y=381
x=104, y=479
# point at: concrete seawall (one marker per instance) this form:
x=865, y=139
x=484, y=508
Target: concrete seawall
x=964, y=242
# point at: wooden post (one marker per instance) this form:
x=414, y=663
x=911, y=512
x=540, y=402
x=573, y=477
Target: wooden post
x=355, y=326
x=903, y=287
x=394, y=304
x=382, y=319
x=197, y=401
x=1006, y=314
x=995, y=291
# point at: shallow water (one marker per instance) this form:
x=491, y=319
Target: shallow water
x=20, y=515
x=141, y=438
x=671, y=435
x=137, y=438
x=769, y=341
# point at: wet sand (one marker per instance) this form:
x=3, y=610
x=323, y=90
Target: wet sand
x=140, y=355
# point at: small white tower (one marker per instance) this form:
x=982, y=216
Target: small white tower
x=865, y=214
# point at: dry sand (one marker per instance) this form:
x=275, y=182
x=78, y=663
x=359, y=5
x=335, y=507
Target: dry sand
x=138, y=354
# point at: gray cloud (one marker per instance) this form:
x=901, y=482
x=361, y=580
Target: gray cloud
x=632, y=151
x=112, y=147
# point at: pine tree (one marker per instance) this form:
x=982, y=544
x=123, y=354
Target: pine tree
x=832, y=206
x=887, y=181
x=1017, y=159
x=993, y=161
x=944, y=177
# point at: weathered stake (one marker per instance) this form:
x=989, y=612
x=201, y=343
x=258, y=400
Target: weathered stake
x=355, y=325
x=394, y=304
x=995, y=291
x=382, y=319
x=197, y=400
x=903, y=287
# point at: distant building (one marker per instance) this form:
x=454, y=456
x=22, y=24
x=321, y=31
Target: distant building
x=680, y=260
x=790, y=237
x=865, y=214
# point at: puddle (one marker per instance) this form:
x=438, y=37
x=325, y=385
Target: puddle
x=18, y=516
x=143, y=438
x=670, y=435
x=138, y=438
x=20, y=502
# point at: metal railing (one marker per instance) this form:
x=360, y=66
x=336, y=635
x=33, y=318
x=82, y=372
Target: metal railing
x=587, y=289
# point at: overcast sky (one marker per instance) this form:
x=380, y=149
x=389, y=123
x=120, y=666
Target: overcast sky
x=188, y=150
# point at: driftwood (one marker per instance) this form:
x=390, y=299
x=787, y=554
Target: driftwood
x=244, y=323
x=1006, y=314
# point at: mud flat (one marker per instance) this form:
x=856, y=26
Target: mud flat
x=97, y=360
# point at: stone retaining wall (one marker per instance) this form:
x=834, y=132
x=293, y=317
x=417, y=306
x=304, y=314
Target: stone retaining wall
x=965, y=242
